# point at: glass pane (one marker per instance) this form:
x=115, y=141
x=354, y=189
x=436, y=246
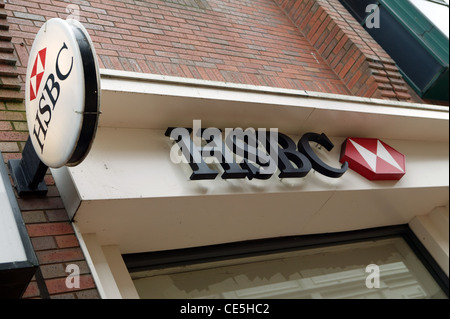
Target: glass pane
x=335, y=272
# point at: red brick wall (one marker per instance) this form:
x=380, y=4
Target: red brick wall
x=362, y=65
x=251, y=42
x=298, y=44
x=56, y=247
x=365, y=68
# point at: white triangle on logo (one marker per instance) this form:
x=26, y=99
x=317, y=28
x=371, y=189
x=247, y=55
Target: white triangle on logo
x=40, y=67
x=368, y=156
x=383, y=153
x=33, y=81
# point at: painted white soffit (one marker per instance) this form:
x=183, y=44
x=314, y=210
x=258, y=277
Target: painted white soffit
x=134, y=100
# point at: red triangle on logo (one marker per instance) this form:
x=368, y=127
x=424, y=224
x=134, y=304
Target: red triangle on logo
x=38, y=80
x=34, y=70
x=385, y=167
x=42, y=55
x=353, y=156
x=368, y=143
x=32, y=94
x=397, y=156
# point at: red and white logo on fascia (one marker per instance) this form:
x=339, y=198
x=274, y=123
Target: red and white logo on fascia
x=373, y=159
x=37, y=73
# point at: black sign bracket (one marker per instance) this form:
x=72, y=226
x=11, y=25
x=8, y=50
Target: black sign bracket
x=28, y=173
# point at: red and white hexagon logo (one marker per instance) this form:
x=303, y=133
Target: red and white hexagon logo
x=37, y=73
x=373, y=159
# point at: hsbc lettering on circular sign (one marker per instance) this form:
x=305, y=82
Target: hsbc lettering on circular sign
x=62, y=96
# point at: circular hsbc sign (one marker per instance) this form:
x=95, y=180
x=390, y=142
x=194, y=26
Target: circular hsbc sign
x=62, y=96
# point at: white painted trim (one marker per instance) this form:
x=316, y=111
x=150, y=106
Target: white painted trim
x=99, y=265
x=432, y=230
x=143, y=101
x=135, y=76
x=67, y=189
x=120, y=272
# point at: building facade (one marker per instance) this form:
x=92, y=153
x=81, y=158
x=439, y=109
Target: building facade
x=136, y=220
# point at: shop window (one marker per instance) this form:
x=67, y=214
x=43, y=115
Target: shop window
x=385, y=268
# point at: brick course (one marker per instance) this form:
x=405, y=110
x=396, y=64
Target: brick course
x=56, y=246
x=250, y=42
x=348, y=49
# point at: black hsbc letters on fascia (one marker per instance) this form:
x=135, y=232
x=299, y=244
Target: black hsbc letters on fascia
x=317, y=164
x=293, y=160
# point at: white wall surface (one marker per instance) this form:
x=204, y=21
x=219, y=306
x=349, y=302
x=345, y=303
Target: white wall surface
x=131, y=194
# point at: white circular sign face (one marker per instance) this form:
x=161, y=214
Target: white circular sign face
x=62, y=93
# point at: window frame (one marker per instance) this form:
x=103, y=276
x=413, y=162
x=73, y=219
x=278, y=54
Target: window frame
x=137, y=262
